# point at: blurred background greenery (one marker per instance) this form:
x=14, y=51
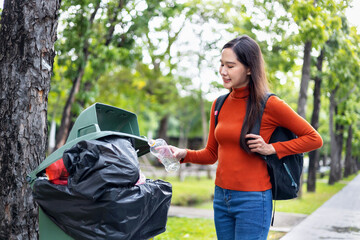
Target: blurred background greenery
x=160, y=59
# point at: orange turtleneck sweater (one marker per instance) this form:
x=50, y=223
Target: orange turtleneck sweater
x=238, y=170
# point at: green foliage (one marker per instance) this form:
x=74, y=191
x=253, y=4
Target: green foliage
x=187, y=117
x=343, y=74
x=136, y=57
x=188, y=228
x=317, y=20
x=96, y=37
x=192, y=191
x=109, y=40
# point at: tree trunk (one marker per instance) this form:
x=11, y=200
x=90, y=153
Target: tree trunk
x=65, y=124
x=162, y=132
x=350, y=164
x=315, y=155
x=204, y=121
x=339, y=134
x=305, y=78
x=204, y=130
x=335, y=165
x=340, y=142
x=183, y=142
x=64, y=128
x=27, y=36
x=324, y=160
x=113, y=21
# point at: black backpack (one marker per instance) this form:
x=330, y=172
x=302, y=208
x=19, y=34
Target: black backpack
x=285, y=172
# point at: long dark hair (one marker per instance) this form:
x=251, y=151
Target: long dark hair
x=249, y=53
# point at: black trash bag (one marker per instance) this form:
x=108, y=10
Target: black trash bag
x=107, y=162
x=101, y=200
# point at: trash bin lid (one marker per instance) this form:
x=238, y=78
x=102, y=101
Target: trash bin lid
x=102, y=117
x=97, y=121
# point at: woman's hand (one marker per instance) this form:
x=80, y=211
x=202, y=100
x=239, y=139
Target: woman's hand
x=257, y=144
x=179, y=153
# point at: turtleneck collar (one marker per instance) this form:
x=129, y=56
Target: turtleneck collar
x=240, y=93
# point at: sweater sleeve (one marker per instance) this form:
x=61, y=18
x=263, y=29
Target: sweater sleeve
x=281, y=114
x=209, y=154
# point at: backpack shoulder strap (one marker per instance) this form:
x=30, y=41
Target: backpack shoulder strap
x=218, y=104
x=256, y=127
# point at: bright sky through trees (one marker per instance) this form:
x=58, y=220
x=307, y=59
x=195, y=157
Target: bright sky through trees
x=352, y=15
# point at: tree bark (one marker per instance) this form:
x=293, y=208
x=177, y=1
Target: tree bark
x=162, y=132
x=64, y=128
x=205, y=129
x=204, y=121
x=339, y=136
x=27, y=36
x=335, y=165
x=315, y=155
x=183, y=142
x=350, y=164
x=305, y=78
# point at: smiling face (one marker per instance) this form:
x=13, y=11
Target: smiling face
x=233, y=72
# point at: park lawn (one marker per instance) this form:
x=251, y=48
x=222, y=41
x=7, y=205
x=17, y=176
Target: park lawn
x=188, y=228
x=196, y=229
x=199, y=193
x=192, y=191
x=309, y=201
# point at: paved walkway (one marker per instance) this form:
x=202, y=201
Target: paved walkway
x=338, y=218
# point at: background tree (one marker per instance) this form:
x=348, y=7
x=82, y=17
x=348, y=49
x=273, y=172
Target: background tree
x=331, y=21
x=316, y=21
x=158, y=42
x=201, y=49
x=314, y=156
x=27, y=36
x=98, y=36
x=312, y=22
x=343, y=79
x=174, y=41
x=352, y=115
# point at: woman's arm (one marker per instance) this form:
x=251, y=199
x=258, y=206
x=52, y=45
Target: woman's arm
x=278, y=113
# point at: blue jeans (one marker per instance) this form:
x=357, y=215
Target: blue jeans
x=242, y=215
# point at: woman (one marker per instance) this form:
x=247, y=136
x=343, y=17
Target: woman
x=242, y=199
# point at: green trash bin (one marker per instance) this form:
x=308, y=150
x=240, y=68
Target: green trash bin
x=97, y=121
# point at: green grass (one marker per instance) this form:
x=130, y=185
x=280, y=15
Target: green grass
x=192, y=191
x=199, y=194
x=196, y=229
x=188, y=228
x=309, y=202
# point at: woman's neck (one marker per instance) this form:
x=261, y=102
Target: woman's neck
x=239, y=93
